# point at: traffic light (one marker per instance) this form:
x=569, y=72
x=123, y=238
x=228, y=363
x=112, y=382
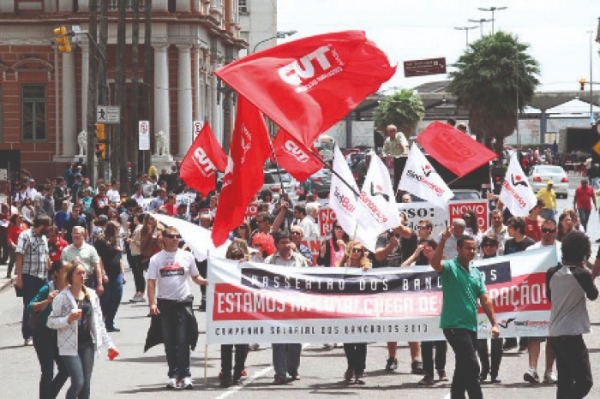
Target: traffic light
x=62, y=40
x=102, y=144
x=101, y=151
x=582, y=83
x=100, y=135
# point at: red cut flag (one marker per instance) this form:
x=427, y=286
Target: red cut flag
x=293, y=156
x=202, y=160
x=308, y=85
x=457, y=151
x=250, y=147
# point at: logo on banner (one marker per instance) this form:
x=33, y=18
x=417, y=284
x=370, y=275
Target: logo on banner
x=378, y=190
x=511, y=190
x=343, y=200
x=246, y=142
x=423, y=179
x=292, y=148
x=516, y=181
x=203, y=163
x=505, y=323
x=303, y=69
x=427, y=170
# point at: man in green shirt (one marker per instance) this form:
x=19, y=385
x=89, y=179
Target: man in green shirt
x=462, y=284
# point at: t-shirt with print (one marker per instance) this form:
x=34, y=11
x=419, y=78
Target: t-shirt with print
x=394, y=258
x=512, y=246
x=172, y=271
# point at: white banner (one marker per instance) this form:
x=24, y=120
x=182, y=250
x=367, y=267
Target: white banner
x=258, y=303
x=516, y=193
x=341, y=198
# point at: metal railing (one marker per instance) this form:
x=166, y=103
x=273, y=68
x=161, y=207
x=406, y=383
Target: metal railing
x=113, y=5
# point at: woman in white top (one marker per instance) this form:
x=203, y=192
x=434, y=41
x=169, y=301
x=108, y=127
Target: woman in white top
x=77, y=317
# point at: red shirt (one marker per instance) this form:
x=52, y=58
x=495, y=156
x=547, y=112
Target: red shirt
x=171, y=209
x=55, y=248
x=533, y=229
x=584, y=197
x=14, y=232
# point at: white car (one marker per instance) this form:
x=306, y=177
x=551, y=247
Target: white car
x=272, y=183
x=540, y=174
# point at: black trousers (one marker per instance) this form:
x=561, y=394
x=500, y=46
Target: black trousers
x=441, y=347
x=572, y=367
x=482, y=351
x=466, y=373
x=241, y=352
x=356, y=355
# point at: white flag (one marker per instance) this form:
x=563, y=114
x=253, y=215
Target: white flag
x=421, y=179
x=516, y=193
x=378, y=199
x=341, y=198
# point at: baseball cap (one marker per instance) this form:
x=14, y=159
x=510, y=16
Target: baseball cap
x=550, y=182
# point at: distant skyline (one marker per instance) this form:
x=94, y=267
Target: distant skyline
x=556, y=31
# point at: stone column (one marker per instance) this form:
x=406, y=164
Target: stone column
x=196, y=82
x=69, y=105
x=184, y=99
x=85, y=72
x=161, y=92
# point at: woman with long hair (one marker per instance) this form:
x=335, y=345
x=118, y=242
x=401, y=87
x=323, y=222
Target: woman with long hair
x=243, y=232
x=110, y=252
x=15, y=228
x=333, y=250
x=472, y=228
x=565, y=225
x=77, y=317
x=136, y=255
x=26, y=209
x=149, y=240
x=356, y=353
x=44, y=339
x=237, y=251
x=575, y=218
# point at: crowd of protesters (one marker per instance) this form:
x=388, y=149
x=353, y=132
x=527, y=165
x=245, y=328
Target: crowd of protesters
x=69, y=243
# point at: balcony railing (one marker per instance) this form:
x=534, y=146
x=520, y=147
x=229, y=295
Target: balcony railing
x=113, y=5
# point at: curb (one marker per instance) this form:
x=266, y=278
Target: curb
x=5, y=283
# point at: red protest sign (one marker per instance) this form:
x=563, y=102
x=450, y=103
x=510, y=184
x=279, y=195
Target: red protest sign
x=326, y=219
x=457, y=208
x=251, y=211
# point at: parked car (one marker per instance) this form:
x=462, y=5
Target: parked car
x=321, y=182
x=540, y=174
x=273, y=183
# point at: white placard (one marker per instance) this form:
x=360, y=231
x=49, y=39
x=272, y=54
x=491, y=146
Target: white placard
x=144, y=128
x=197, y=128
x=110, y=114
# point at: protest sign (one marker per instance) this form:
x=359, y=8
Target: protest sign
x=251, y=211
x=480, y=207
x=417, y=211
x=326, y=219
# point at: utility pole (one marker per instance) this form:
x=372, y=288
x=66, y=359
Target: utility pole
x=102, y=78
x=119, y=150
x=147, y=74
x=92, y=88
x=135, y=69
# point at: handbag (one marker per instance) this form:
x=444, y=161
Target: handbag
x=32, y=321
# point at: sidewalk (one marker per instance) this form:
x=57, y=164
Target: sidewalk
x=5, y=283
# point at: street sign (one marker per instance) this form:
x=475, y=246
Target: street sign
x=108, y=114
x=3, y=174
x=144, y=128
x=596, y=148
x=197, y=129
x=431, y=66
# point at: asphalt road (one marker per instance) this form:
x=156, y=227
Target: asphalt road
x=143, y=375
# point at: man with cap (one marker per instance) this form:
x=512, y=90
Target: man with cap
x=549, y=196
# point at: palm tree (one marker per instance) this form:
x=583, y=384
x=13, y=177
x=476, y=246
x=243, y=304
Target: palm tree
x=403, y=109
x=495, y=78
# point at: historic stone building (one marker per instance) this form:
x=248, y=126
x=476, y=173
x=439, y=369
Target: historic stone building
x=43, y=93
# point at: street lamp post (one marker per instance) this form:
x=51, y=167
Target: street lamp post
x=591, y=80
x=466, y=29
x=279, y=35
x=480, y=22
x=493, y=10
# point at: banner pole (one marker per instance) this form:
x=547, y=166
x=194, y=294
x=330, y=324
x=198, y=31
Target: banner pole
x=205, y=364
x=277, y=165
x=334, y=172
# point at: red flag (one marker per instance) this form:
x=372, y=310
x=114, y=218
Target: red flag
x=308, y=85
x=293, y=156
x=250, y=147
x=452, y=148
x=201, y=162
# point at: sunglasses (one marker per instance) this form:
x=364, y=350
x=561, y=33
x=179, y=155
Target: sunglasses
x=357, y=250
x=172, y=235
x=489, y=245
x=337, y=227
x=548, y=230
x=237, y=256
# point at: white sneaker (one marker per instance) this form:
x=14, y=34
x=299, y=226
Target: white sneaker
x=254, y=347
x=531, y=376
x=187, y=383
x=549, y=377
x=172, y=384
x=28, y=342
x=135, y=298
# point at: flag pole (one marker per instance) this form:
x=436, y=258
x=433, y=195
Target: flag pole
x=333, y=171
x=276, y=164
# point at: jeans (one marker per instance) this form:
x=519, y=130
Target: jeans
x=31, y=286
x=356, y=355
x=44, y=342
x=441, y=347
x=174, y=324
x=241, y=352
x=572, y=366
x=111, y=299
x=138, y=273
x=11, y=261
x=482, y=351
x=80, y=369
x=548, y=213
x=466, y=373
x=286, y=359
x=584, y=217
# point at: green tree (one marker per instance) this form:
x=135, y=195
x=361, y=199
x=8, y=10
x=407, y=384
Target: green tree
x=494, y=77
x=403, y=109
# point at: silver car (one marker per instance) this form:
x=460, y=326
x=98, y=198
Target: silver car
x=540, y=174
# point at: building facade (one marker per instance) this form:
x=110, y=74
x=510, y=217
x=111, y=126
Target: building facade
x=43, y=93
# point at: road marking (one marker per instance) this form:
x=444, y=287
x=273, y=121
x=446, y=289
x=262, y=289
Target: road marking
x=254, y=376
x=447, y=396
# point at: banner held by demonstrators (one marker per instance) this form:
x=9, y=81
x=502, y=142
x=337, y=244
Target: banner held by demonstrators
x=258, y=303
x=421, y=179
x=458, y=152
x=306, y=86
x=343, y=201
x=516, y=193
x=202, y=160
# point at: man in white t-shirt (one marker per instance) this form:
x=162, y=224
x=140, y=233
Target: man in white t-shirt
x=305, y=221
x=113, y=194
x=172, y=268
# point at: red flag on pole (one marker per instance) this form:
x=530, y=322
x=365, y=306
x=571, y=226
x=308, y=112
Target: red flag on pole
x=308, y=85
x=293, y=156
x=250, y=147
x=457, y=151
x=202, y=160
